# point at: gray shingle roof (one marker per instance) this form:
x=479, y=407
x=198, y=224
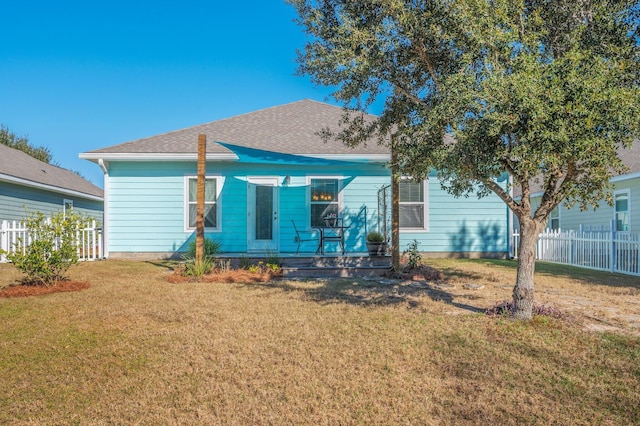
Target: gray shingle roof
x=18, y=164
x=290, y=129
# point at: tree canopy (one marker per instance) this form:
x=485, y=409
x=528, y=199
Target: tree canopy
x=546, y=90
x=21, y=143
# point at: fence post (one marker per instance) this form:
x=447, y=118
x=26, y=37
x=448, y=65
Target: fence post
x=4, y=241
x=614, y=260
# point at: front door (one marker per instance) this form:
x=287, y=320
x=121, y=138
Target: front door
x=262, y=211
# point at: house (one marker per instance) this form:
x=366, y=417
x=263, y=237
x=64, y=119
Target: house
x=28, y=184
x=621, y=214
x=267, y=171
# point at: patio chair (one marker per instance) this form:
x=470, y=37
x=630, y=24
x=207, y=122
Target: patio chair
x=334, y=231
x=304, y=236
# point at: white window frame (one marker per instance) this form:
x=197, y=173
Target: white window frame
x=626, y=192
x=425, y=202
x=219, y=183
x=309, y=201
x=66, y=202
x=557, y=217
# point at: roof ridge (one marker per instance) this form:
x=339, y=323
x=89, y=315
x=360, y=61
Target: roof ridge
x=284, y=128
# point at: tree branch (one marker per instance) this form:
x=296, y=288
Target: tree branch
x=421, y=49
x=504, y=195
x=406, y=92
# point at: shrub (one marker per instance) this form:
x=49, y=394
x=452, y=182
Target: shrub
x=414, y=259
x=211, y=248
x=375, y=237
x=272, y=258
x=197, y=268
x=52, y=249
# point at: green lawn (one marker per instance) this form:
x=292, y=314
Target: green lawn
x=134, y=348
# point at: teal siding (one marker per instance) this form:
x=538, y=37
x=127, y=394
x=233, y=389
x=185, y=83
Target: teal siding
x=461, y=225
x=15, y=200
x=146, y=209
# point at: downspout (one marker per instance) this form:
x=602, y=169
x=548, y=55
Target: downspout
x=104, y=165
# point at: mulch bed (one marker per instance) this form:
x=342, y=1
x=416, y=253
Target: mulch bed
x=25, y=290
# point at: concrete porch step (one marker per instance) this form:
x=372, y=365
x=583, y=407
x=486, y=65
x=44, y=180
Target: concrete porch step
x=333, y=271
x=329, y=266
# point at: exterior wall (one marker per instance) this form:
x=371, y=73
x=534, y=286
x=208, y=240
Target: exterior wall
x=461, y=226
x=571, y=219
x=14, y=199
x=146, y=209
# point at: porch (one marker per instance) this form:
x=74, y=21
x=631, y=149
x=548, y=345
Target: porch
x=329, y=265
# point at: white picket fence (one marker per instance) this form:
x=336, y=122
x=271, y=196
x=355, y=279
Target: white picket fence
x=601, y=250
x=14, y=236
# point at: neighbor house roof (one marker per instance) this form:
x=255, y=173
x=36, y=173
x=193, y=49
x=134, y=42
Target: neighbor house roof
x=19, y=167
x=288, y=129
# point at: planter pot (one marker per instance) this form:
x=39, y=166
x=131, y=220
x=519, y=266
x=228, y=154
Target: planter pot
x=377, y=249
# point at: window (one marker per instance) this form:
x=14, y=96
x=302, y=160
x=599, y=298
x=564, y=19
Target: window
x=211, y=205
x=67, y=207
x=554, y=219
x=621, y=211
x=412, y=204
x=324, y=199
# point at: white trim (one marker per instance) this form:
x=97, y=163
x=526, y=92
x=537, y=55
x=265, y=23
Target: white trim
x=66, y=201
x=189, y=156
x=63, y=191
x=158, y=156
x=550, y=218
x=252, y=244
x=185, y=206
x=626, y=192
x=425, y=202
x=308, y=195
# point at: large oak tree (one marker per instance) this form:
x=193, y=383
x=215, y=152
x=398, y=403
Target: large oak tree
x=545, y=90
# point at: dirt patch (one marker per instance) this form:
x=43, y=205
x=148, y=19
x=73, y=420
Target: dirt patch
x=26, y=290
x=598, y=300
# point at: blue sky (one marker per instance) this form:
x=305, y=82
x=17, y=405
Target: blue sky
x=79, y=75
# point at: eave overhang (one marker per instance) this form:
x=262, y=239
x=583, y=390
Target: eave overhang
x=52, y=188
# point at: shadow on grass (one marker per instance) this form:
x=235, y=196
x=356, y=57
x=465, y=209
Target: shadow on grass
x=586, y=276
x=367, y=293
x=169, y=265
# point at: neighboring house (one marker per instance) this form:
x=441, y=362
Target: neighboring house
x=626, y=196
x=28, y=184
x=266, y=169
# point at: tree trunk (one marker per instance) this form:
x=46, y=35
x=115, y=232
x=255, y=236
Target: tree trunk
x=395, y=211
x=523, y=291
x=202, y=162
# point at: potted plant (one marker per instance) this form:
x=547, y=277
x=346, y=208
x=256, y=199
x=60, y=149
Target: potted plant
x=376, y=246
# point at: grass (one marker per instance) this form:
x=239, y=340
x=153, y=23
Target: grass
x=134, y=348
